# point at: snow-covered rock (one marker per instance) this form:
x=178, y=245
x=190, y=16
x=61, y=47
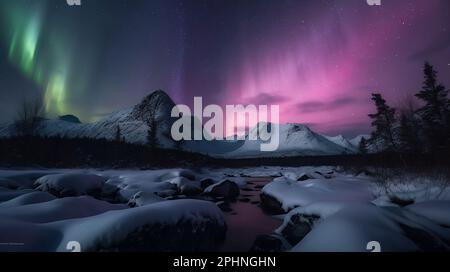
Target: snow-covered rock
x=21, y=179
x=329, y=211
x=147, y=187
x=179, y=225
x=300, y=221
x=354, y=227
x=291, y=193
x=186, y=186
x=224, y=188
x=141, y=188
x=62, y=185
x=187, y=174
x=182, y=225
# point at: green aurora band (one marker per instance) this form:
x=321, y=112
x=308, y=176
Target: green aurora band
x=44, y=59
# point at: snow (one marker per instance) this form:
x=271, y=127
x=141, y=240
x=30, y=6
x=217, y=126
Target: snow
x=291, y=193
x=42, y=222
x=321, y=210
x=414, y=188
x=353, y=227
x=8, y=194
x=21, y=179
x=27, y=236
x=73, y=184
x=109, y=229
x=147, y=187
x=437, y=211
x=345, y=211
x=28, y=198
x=58, y=209
x=50, y=226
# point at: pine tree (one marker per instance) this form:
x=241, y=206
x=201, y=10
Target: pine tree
x=118, y=137
x=435, y=112
x=408, y=137
x=384, y=123
x=362, y=147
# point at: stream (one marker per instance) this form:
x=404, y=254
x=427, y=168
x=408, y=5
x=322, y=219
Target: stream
x=246, y=220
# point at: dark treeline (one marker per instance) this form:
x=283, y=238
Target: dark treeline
x=59, y=152
x=384, y=160
x=419, y=128
x=88, y=152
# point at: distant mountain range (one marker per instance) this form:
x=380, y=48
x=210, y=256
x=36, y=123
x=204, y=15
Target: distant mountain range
x=295, y=139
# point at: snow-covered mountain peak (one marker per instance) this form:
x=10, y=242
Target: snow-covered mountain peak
x=157, y=104
x=343, y=142
x=285, y=129
x=295, y=140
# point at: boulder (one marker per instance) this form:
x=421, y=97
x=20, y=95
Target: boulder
x=298, y=227
x=66, y=185
x=304, y=177
x=190, y=189
x=225, y=188
x=270, y=204
x=181, y=173
x=206, y=182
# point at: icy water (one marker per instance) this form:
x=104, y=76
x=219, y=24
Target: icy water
x=247, y=220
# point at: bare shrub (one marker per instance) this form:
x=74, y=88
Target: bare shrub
x=29, y=117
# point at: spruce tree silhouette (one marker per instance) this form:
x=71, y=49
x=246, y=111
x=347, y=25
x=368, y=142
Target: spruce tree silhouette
x=435, y=112
x=384, y=123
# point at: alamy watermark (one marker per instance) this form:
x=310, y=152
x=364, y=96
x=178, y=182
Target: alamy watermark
x=73, y=246
x=238, y=118
x=73, y=2
x=374, y=246
x=374, y=2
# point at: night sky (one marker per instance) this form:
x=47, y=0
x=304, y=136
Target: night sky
x=318, y=59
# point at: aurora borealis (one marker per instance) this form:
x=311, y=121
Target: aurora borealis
x=25, y=25
x=318, y=59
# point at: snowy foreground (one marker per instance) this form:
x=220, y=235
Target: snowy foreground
x=320, y=209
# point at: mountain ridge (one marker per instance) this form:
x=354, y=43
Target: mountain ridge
x=295, y=139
